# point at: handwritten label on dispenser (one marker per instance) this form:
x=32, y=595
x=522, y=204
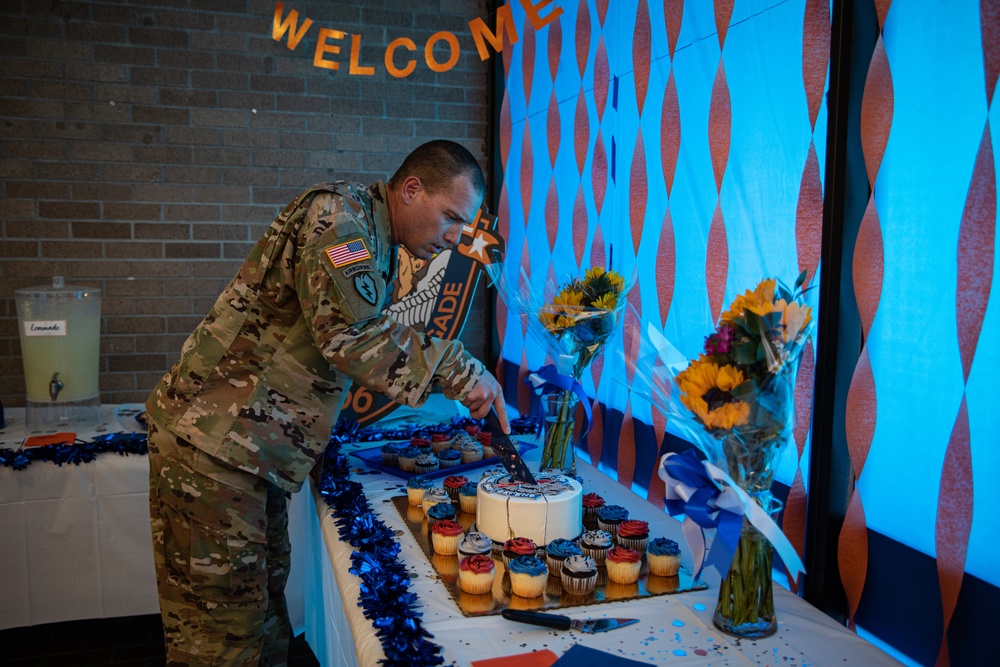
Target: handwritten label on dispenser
x=45, y=328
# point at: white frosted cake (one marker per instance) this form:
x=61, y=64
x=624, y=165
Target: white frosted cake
x=542, y=512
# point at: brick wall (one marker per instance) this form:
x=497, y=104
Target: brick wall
x=145, y=145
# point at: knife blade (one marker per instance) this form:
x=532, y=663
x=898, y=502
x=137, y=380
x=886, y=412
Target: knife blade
x=506, y=450
x=588, y=625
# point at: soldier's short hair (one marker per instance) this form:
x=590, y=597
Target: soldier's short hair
x=437, y=163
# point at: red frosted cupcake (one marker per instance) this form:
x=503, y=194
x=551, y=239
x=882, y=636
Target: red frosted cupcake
x=486, y=440
x=518, y=546
x=440, y=442
x=592, y=504
x=423, y=444
x=623, y=565
x=445, y=535
x=633, y=534
x=453, y=484
x=475, y=574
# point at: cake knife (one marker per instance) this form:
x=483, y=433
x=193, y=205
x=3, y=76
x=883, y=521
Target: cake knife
x=589, y=625
x=506, y=450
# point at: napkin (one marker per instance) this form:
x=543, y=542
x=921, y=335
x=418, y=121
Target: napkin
x=583, y=656
x=543, y=658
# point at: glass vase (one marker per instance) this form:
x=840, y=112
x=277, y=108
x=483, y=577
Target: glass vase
x=746, y=600
x=559, y=411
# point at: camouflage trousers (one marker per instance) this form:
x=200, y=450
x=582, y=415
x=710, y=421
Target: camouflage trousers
x=222, y=556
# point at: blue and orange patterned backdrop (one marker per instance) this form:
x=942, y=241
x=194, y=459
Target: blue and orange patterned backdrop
x=685, y=143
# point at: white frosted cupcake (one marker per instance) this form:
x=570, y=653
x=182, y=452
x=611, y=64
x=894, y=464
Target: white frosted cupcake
x=433, y=496
x=579, y=575
x=475, y=544
x=472, y=452
x=596, y=543
x=425, y=463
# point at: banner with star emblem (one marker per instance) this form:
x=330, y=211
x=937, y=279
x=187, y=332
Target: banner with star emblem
x=434, y=296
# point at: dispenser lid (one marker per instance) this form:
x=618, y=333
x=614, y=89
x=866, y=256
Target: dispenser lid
x=57, y=290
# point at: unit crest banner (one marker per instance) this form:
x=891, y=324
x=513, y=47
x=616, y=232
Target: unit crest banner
x=435, y=297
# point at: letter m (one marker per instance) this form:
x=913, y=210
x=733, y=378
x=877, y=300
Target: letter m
x=505, y=23
x=281, y=27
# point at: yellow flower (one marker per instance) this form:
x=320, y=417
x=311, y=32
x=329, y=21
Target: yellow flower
x=617, y=282
x=793, y=320
x=606, y=301
x=705, y=391
x=760, y=301
x=593, y=273
x=568, y=297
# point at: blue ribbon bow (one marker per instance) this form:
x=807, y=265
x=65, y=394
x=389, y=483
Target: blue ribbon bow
x=547, y=380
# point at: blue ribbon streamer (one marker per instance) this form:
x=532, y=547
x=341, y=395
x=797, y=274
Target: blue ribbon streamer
x=547, y=380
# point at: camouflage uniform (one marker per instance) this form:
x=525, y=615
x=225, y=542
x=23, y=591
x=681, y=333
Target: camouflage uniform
x=258, y=386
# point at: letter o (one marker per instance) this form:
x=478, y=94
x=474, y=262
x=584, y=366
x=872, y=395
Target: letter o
x=429, y=51
x=390, y=66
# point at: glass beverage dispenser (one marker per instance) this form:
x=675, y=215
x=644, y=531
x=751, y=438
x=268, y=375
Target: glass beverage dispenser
x=60, y=328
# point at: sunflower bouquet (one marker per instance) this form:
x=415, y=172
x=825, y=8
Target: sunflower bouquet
x=735, y=402
x=572, y=321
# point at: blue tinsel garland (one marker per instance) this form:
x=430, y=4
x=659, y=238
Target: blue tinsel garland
x=385, y=596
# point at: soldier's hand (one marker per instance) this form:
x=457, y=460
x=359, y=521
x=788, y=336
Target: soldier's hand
x=485, y=393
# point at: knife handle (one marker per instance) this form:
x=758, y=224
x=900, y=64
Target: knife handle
x=535, y=618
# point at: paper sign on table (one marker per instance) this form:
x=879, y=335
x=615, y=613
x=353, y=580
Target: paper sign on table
x=51, y=439
x=543, y=658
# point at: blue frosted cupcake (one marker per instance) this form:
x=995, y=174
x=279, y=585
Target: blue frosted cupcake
x=449, y=458
x=408, y=458
x=440, y=511
x=390, y=453
x=609, y=517
x=415, y=487
x=467, y=497
x=663, y=556
x=557, y=551
x=528, y=576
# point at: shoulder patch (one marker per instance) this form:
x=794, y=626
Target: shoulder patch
x=348, y=252
x=364, y=283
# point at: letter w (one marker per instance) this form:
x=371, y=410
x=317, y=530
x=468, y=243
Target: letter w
x=281, y=27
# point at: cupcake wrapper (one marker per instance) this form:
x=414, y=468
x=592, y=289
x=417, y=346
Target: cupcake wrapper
x=579, y=585
x=471, y=458
x=609, y=527
x=390, y=459
x=526, y=585
x=637, y=543
x=623, y=573
x=407, y=465
x=445, y=463
x=476, y=583
x=599, y=555
x=467, y=503
x=555, y=565
x=664, y=566
x=420, y=470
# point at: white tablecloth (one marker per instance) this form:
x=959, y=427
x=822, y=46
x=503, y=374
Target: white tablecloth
x=673, y=628
x=75, y=541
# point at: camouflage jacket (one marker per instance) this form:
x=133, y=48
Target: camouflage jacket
x=263, y=378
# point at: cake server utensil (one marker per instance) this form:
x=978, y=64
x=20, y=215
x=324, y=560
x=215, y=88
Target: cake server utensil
x=506, y=450
x=588, y=625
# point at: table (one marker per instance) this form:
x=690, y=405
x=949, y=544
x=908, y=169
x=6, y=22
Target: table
x=673, y=628
x=76, y=540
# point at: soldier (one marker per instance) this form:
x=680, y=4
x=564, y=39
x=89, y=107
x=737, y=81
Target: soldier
x=240, y=420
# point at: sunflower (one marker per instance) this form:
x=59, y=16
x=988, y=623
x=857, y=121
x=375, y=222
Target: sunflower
x=760, y=300
x=606, y=301
x=794, y=320
x=705, y=390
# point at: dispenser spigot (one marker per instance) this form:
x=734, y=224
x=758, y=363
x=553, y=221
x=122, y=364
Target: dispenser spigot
x=55, y=386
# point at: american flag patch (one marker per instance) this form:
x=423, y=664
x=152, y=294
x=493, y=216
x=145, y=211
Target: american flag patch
x=347, y=253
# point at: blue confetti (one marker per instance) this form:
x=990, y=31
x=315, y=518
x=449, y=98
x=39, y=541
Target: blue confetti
x=678, y=623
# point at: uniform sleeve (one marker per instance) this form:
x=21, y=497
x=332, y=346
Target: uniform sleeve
x=341, y=292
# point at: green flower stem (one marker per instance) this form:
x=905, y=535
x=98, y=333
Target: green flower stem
x=559, y=435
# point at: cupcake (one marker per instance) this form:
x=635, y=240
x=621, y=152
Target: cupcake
x=415, y=487
x=528, y=576
x=633, y=534
x=432, y=497
x=390, y=453
x=609, y=516
x=518, y=546
x=475, y=544
x=596, y=543
x=453, y=484
x=664, y=557
x=578, y=574
x=440, y=512
x=476, y=573
x=408, y=458
x=425, y=463
x=449, y=458
x=472, y=452
x=557, y=551
x=423, y=444
x=623, y=565
x=486, y=440
x=467, y=496
x=440, y=442
x=445, y=536
x=473, y=429
x=592, y=504
x=459, y=438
